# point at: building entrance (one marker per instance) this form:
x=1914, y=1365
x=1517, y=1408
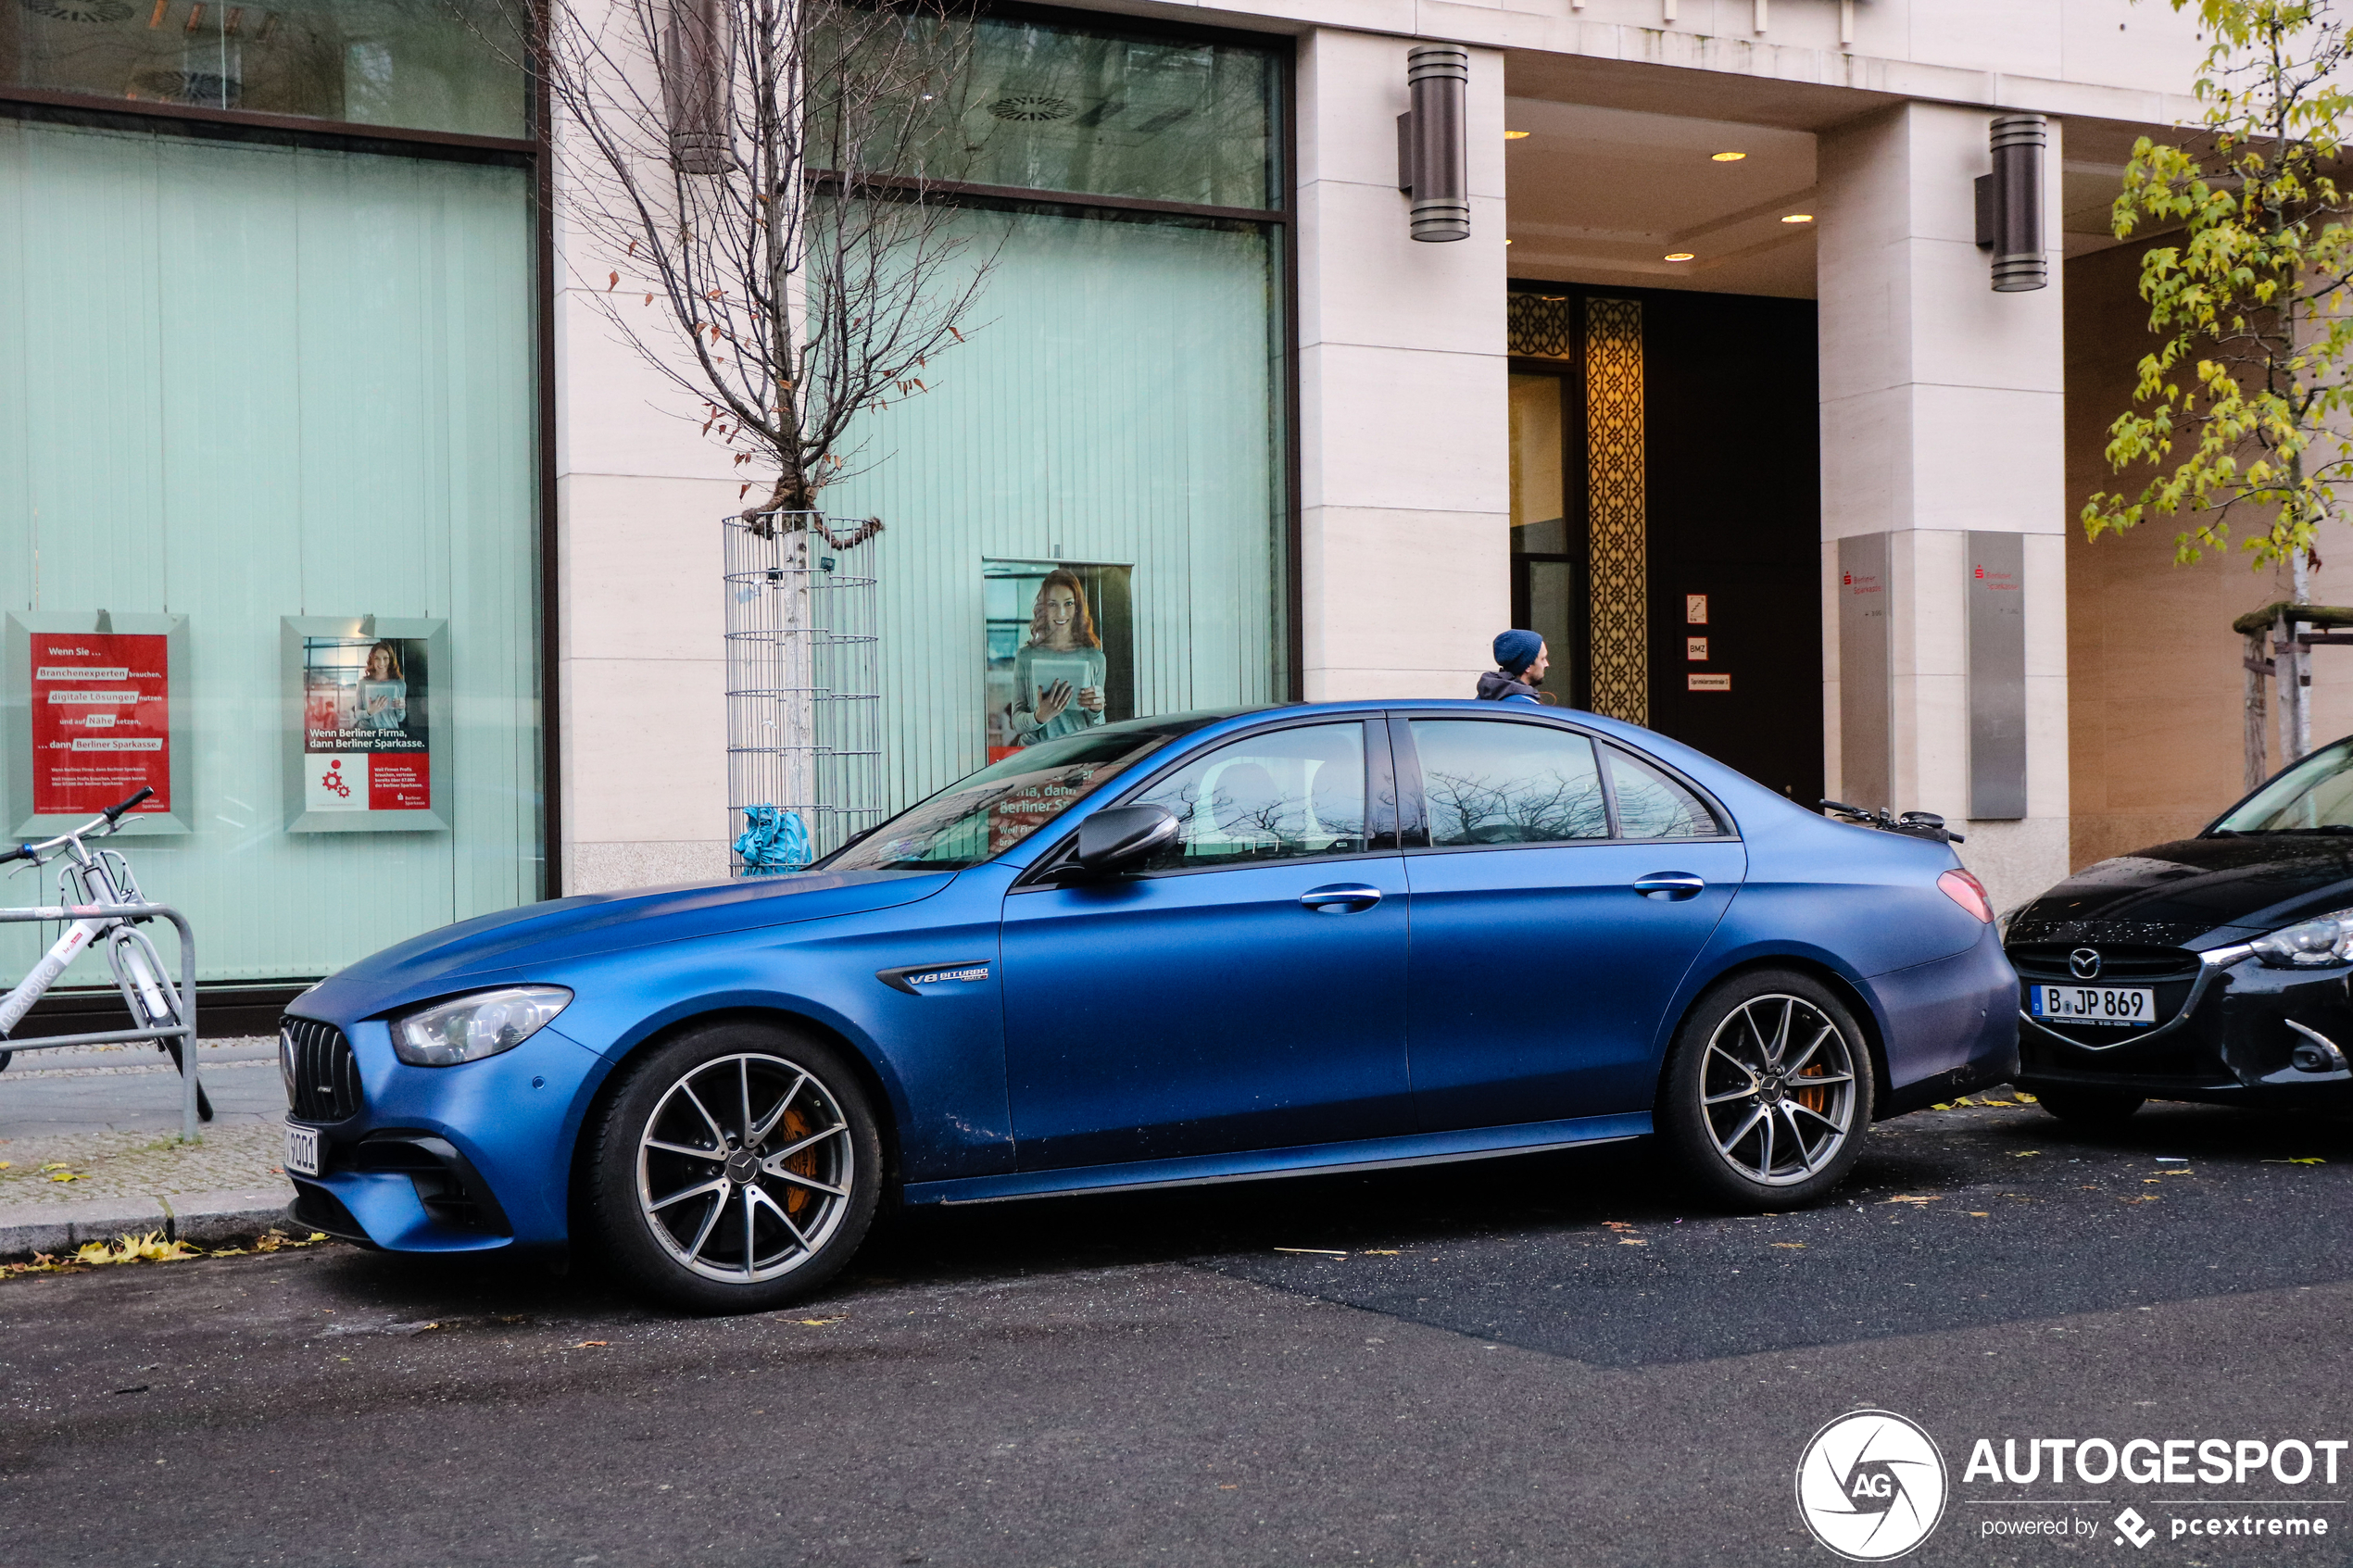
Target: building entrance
x=1666, y=516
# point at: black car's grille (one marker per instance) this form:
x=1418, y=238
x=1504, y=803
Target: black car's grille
x=2121, y=963
x=323, y=1077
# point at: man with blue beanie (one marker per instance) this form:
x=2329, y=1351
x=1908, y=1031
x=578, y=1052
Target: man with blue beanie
x=1520, y=662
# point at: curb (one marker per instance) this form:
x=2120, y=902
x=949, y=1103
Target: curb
x=203, y=1219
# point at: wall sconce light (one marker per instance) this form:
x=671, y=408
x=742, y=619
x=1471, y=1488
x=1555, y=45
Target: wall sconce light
x=1432, y=143
x=2010, y=204
x=698, y=60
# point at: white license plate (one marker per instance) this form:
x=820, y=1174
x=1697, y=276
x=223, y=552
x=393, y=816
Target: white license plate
x=302, y=1151
x=2126, y=1006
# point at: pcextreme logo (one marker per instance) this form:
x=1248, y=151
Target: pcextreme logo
x=1871, y=1486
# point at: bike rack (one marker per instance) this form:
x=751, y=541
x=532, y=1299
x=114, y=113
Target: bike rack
x=48, y=913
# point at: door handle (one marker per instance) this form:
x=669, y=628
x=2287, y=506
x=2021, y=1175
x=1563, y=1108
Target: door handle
x=1675, y=885
x=1341, y=895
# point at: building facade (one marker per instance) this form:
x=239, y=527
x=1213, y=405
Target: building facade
x=329, y=484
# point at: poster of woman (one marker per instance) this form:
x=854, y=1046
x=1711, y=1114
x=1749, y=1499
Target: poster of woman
x=1060, y=657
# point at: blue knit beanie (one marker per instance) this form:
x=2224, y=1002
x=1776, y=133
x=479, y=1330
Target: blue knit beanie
x=1516, y=650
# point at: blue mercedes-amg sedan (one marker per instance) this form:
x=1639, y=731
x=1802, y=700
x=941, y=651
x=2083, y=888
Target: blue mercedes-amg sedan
x=1242, y=943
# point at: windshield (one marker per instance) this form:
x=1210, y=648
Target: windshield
x=2316, y=795
x=981, y=817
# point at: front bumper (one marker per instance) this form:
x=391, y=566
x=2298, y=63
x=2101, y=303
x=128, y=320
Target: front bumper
x=463, y=1159
x=2230, y=1039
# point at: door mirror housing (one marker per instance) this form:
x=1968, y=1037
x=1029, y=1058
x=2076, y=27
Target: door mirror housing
x=1116, y=839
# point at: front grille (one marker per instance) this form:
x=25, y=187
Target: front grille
x=323, y=1077
x=2121, y=963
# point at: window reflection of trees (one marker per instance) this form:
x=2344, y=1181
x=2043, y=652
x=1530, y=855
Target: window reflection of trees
x=1267, y=805
x=1534, y=808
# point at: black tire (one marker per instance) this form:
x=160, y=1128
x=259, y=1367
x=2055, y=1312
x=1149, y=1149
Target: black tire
x=2089, y=1108
x=674, y=1222
x=1810, y=1095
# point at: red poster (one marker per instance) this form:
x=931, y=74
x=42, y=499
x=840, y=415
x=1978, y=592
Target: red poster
x=101, y=720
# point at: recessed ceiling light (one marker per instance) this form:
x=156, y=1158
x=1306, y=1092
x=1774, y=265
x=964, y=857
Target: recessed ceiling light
x=1678, y=255
x=1727, y=157
x=1799, y=218
x=1515, y=135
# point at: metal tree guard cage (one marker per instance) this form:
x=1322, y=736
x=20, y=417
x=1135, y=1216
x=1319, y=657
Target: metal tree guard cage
x=803, y=704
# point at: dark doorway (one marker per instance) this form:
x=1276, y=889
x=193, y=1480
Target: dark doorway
x=1730, y=507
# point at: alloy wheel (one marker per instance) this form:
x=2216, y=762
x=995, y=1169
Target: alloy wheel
x=745, y=1169
x=1776, y=1090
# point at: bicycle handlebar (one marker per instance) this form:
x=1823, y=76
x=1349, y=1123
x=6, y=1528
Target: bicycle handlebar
x=115, y=811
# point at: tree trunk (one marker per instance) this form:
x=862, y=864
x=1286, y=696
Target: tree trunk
x=2257, y=746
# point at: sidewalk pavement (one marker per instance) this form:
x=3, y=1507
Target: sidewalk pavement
x=89, y=1135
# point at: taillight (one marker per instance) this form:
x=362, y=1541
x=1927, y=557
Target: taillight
x=1968, y=893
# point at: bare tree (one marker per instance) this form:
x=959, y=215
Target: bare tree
x=754, y=181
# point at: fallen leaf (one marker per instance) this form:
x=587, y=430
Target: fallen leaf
x=1797, y=1246
x=1632, y=1241
x=4, y=1165
x=2024, y=1153
x=2304, y=1161
x=1908, y=1197
x=593, y=1345
x=2025, y=1098
x=1380, y=1252
x=818, y=1322
x=1979, y=1214
x=2004, y=1103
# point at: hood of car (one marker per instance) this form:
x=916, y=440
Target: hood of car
x=2197, y=892
x=561, y=930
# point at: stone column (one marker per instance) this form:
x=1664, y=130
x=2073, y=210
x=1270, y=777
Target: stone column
x=1942, y=415
x=1403, y=420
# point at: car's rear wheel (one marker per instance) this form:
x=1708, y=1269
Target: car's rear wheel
x=1767, y=1091
x=2089, y=1108
x=735, y=1168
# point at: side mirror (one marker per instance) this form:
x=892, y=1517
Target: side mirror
x=1112, y=840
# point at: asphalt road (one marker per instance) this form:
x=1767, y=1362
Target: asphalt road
x=1533, y=1361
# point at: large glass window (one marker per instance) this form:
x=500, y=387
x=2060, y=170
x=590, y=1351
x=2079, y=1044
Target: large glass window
x=429, y=65
x=1111, y=437
x=284, y=399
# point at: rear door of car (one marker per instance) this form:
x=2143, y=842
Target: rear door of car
x=1246, y=990
x=1562, y=886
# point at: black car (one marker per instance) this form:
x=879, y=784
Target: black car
x=2216, y=968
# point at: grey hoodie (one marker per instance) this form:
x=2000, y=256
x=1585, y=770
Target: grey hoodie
x=1496, y=686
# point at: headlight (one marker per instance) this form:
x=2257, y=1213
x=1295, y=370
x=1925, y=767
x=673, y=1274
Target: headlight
x=469, y=1028
x=2308, y=944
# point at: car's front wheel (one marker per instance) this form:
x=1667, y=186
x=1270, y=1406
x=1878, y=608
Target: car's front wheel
x=1767, y=1091
x=735, y=1168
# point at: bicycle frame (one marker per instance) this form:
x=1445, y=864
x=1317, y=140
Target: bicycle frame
x=99, y=896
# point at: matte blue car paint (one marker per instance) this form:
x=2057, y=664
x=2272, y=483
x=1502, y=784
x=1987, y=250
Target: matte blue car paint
x=1371, y=1154
x=1539, y=975
x=1862, y=904
x=1243, y=1019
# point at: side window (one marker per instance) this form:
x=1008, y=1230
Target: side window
x=1488, y=781
x=1274, y=796
x=1651, y=805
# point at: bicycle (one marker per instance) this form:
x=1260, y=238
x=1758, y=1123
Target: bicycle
x=99, y=896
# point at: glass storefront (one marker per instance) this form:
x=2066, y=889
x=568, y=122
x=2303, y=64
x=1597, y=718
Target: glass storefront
x=269, y=511
x=424, y=65
x=1092, y=492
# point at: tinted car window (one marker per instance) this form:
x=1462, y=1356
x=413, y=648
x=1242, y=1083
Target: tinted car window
x=1492, y=782
x=1651, y=805
x=1280, y=796
x=980, y=817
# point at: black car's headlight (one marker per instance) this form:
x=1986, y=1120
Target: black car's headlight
x=2308, y=944
x=469, y=1028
